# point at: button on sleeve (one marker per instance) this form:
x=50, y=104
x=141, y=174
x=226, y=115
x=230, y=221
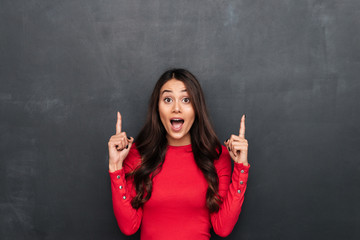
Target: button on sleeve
x=240, y=177
x=118, y=180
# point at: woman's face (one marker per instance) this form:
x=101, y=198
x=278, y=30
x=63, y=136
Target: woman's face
x=176, y=112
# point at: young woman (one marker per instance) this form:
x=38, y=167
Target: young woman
x=174, y=179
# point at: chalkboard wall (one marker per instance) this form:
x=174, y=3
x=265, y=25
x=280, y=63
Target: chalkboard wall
x=292, y=66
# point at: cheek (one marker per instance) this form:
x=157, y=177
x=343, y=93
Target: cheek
x=162, y=113
x=191, y=114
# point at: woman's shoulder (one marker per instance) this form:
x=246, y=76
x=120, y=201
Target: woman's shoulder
x=134, y=150
x=224, y=160
x=133, y=159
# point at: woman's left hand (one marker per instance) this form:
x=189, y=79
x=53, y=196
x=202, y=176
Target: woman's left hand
x=238, y=145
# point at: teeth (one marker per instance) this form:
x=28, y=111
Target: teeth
x=176, y=120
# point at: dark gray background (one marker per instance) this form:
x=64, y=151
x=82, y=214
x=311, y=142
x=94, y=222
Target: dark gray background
x=292, y=66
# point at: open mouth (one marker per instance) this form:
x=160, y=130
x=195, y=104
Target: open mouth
x=176, y=123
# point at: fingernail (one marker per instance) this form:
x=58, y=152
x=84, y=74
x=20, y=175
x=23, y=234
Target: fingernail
x=127, y=146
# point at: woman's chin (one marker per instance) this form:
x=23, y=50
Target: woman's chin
x=178, y=139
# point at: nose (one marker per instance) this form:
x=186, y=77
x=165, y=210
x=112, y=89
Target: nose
x=176, y=107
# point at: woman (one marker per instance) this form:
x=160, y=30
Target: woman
x=174, y=180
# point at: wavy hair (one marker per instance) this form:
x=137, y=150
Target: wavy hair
x=151, y=142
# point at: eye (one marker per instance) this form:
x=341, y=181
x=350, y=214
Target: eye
x=167, y=100
x=186, y=100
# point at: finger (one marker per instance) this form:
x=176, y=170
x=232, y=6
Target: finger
x=120, y=140
x=227, y=142
x=121, y=144
x=236, y=138
x=232, y=155
x=131, y=140
x=234, y=149
x=124, y=141
x=227, y=145
x=242, y=127
x=113, y=144
x=242, y=147
x=118, y=123
x=235, y=146
x=240, y=141
x=230, y=145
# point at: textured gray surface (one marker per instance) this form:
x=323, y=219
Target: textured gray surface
x=292, y=66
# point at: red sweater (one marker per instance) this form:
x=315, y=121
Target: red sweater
x=177, y=207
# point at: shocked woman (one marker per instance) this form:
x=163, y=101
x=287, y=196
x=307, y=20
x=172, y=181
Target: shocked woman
x=174, y=179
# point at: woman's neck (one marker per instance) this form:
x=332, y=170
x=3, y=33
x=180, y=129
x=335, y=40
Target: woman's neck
x=185, y=140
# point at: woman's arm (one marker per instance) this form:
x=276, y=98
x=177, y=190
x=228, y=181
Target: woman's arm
x=128, y=218
x=123, y=158
x=232, y=193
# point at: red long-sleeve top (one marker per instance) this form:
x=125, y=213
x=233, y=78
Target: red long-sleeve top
x=177, y=207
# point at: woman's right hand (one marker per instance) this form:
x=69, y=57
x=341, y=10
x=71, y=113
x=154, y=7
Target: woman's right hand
x=119, y=147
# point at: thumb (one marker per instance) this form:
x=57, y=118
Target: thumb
x=230, y=152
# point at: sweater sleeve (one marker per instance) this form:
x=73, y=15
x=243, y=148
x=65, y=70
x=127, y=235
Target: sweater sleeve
x=232, y=194
x=128, y=218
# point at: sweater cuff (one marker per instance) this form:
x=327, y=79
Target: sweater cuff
x=117, y=174
x=118, y=182
x=240, y=177
x=241, y=166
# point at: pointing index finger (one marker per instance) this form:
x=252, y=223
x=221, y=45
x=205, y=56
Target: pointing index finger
x=118, y=123
x=242, y=127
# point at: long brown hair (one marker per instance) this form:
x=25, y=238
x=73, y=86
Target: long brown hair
x=152, y=142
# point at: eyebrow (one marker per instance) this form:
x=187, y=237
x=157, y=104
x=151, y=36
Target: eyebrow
x=172, y=91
